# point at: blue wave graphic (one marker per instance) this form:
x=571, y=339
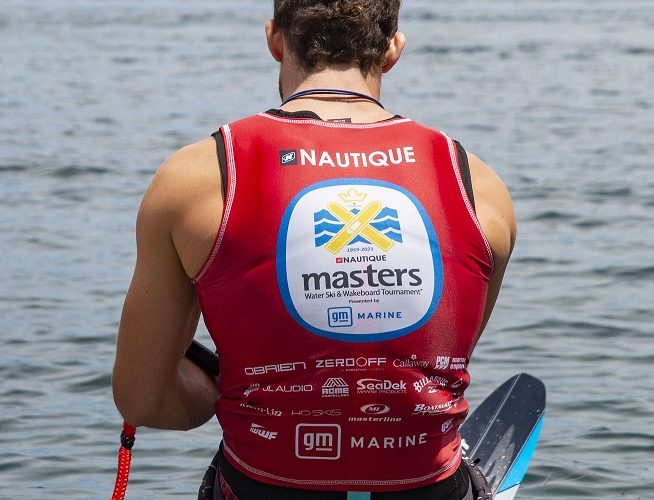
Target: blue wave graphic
x=326, y=226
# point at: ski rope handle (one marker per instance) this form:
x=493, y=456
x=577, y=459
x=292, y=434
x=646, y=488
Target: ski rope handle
x=124, y=461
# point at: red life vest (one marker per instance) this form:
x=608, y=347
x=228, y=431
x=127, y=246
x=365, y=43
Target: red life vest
x=344, y=294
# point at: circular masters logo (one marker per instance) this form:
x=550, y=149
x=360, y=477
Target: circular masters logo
x=358, y=261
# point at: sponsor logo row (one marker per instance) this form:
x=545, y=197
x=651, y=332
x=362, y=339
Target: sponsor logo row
x=361, y=363
x=371, y=412
x=325, y=441
x=337, y=387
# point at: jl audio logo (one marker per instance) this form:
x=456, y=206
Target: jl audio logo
x=288, y=157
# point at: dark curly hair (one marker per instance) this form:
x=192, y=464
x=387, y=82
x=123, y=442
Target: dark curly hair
x=322, y=32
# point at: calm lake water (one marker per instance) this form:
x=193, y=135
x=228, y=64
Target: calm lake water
x=557, y=96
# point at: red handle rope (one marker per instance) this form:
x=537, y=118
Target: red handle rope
x=124, y=461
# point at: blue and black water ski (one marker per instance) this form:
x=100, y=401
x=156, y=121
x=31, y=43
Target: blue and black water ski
x=501, y=434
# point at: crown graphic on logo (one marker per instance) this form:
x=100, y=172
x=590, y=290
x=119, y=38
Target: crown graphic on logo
x=353, y=196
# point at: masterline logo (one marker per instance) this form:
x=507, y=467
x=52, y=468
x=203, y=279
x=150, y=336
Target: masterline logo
x=375, y=412
x=318, y=441
x=335, y=388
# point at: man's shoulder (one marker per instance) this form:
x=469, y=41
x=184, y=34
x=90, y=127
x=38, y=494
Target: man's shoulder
x=494, y=208
x=189, y=174
x=191, y=158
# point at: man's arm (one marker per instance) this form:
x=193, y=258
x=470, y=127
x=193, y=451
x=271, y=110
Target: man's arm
x=153, y=384
x=497, y=218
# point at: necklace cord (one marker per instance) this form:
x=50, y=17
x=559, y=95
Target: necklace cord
x=341, y=92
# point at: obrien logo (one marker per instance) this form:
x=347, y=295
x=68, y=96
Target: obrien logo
x=288, y=157
x=358, y=261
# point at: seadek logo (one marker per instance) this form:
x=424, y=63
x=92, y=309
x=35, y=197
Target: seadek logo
x=358, y=260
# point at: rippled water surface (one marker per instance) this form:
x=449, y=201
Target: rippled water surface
x=557, y=96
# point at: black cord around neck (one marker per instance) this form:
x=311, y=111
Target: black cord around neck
x=350, y=93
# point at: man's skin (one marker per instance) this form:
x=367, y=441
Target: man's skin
x=153, y=384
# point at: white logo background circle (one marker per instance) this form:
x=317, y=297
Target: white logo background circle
x=358, y=292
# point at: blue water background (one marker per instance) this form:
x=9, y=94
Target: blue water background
x=557, y=96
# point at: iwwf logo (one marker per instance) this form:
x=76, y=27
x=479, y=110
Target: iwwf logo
x=339, y=226
x=288, y=157
x=259, y=430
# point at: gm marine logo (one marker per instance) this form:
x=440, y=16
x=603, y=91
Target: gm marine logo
x=339, y=316
x=287, y=157
x=370, y=223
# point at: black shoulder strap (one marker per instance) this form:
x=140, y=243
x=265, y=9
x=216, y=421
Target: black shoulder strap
x=222, y=159
x=464, y=169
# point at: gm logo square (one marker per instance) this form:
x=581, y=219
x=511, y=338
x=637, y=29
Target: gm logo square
x=287, y=157
x=339, y=316
x=318, y=441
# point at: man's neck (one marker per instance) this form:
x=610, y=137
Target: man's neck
x=344, y=77
x=340, y=77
